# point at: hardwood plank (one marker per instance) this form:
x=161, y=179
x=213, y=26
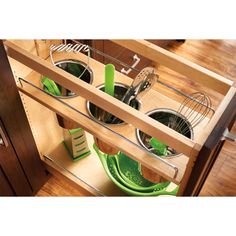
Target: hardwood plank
x=57, y=187
x=5, y=187
x=221, y=181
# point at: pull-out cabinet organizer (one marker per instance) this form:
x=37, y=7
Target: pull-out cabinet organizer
x=88, y=172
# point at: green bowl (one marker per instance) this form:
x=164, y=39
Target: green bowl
x=125, y=173
x=130, y=175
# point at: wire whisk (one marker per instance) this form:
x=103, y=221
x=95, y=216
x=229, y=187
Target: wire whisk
x=193, y=110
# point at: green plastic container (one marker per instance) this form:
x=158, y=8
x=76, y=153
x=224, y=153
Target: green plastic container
x=125, y=173
x=130, y=175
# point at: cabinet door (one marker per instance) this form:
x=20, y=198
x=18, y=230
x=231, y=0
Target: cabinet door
x=5, y=186
x=12, y=178
x=20, y=162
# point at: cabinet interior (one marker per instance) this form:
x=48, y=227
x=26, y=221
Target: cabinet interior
x=88, y=172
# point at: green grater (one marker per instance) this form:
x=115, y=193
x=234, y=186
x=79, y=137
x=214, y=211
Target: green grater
x=76, y=143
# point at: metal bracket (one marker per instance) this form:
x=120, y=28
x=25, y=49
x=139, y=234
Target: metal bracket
x=136, y=61
x=228, y=136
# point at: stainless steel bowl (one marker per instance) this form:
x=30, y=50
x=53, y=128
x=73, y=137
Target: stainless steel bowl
x=87, y=76
x=120, y=90
x=162, y=115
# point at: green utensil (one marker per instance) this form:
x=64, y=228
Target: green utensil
x=109, y=79
x=109, y=165
x=73, y=69
x=160, y=147
x=109, y=89
x=50, y=86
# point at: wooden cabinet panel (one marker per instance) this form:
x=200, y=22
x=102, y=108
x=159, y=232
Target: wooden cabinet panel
x=22, y=159
x=5, y=187
x=11, y=169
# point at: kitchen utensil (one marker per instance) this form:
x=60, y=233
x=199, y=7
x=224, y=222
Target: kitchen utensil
x=194, y=109
x=101, y=114
x=119, y=91
x=109, y=79
x=109, y=165
x=50, y=86
x=147, y=84
x=109, y=89
x=136, y=84
x=74, y=67
x=141, y=82
x=76, y=143
x=129, y=175
x=159, y=147
x=163, y=115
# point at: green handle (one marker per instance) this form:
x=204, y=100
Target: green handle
x=109, y=79
x=50, y=86
x=161, y=148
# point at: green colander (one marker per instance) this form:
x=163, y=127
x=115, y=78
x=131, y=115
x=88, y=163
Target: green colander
x=124, y=172
x=129, y=170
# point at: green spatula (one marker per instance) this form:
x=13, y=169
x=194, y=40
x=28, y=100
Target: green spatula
x=160, y=147
x=109, y=89
x=50, y=86
x=109, y=79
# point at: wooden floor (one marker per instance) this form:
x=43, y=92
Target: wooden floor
x=58, y=187
x=218, y=56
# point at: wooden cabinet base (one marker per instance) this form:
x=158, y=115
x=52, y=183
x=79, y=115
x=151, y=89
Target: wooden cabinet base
x=104, y=147
x=66, y=124
x=151, y=175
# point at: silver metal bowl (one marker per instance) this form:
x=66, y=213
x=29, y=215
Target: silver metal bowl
x=87, y=75
x=120, y=90
x=163, y=115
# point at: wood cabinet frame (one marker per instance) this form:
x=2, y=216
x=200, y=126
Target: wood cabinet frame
x=193, y=149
